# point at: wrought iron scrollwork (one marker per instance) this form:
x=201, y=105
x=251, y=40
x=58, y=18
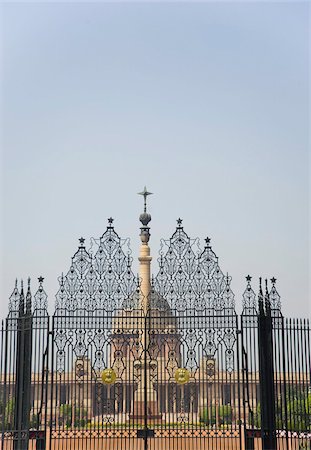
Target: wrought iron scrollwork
x=40, y=298
x=101, y=278
x=98, y=280
x=190, y=278
x=274, y=296
x=271, y=300
x=191, y=282
x=249, y=298
x=177, y=267
x=14, y=300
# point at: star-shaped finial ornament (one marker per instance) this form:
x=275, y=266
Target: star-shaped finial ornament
x=41, y=279
x=207, y=241
x=273, y=280
x=81, y=240
x=248, y=278
x=110, y=221
x=145, y=193
x=179, y=222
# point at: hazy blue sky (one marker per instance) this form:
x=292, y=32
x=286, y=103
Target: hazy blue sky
x=206, y=104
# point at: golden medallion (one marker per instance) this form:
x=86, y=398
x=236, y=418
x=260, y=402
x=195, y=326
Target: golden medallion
x=108, y=376
x=182, y=376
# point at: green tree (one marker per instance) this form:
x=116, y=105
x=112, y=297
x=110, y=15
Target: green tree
x=80, y=417
x=257, y=416
x=208, y=415
x=225, y=414
x=72, y=415
x=299, y=413
x=65, y=414
x=9, y=411
x=1, y=409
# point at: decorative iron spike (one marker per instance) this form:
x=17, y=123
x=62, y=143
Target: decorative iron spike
x=28, y=299
x=266, y=283
x=260, y=286
x=22, y=300
x=267, y=299
x=260, y=297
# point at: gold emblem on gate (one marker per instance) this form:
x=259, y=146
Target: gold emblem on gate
x=108, y=376
x=182, y=376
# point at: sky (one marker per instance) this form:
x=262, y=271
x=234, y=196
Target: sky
x=207, y=104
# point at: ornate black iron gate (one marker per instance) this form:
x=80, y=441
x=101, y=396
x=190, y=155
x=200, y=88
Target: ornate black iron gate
x=176, y=370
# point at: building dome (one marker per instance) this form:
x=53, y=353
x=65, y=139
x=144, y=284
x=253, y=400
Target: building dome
x=131, y=316
x=156, y=302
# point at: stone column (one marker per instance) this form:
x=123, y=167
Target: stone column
x=144, y=271
x=145, y=404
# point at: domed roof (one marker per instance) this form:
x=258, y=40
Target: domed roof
x=132, y=317
x=156, y=302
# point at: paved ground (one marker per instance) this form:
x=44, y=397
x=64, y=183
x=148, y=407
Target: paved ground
x=175, y=443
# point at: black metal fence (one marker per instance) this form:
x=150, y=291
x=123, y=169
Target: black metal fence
x=276, y=356
x=187, y=373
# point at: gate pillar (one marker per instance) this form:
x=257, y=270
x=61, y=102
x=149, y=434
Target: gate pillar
x=266, y=372
x=23, y=372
